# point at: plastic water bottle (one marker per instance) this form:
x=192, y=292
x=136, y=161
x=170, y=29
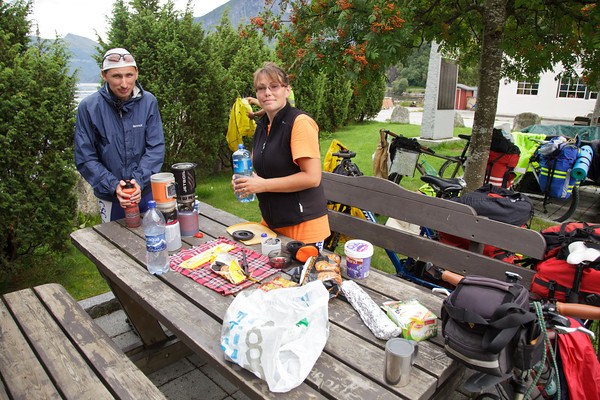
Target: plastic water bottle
x=242, y=166
x=157, y=257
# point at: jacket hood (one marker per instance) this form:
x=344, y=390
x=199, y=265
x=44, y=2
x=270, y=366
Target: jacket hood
x=110, y=97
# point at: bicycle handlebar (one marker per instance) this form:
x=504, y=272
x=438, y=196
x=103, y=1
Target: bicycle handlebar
x=344, y=154
x=573, y=310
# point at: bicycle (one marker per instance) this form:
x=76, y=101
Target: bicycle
x=408, y=158
x=529, y=183
x=340, y=162
x=544, y=378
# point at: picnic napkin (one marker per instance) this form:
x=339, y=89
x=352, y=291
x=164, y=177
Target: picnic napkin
x=257, y=266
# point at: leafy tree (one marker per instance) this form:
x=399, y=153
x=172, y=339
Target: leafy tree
x=322, y=39
x=37, y=109
x=240, y=53
x=366, y=100
x=399, y=86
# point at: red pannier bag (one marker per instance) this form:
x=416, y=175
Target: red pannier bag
x=502, y=160
x=496, y=203
x=500, y=169
x=555, y=278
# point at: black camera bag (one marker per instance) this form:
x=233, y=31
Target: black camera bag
x=487, y=326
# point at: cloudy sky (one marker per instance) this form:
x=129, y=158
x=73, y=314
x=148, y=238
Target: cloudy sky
x=86, y=17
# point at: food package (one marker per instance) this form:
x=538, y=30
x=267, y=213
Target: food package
x=277, y=283
x=323, y=269
x=229, y=268
x=416, y=321
x=207, y=256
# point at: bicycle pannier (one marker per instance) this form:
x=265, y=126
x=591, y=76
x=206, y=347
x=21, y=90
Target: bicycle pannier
x=555, y=171
x=555, y=278
x=496, y=203
x=487, y=326
x=502, y=160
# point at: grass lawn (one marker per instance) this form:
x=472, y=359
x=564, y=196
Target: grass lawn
x=80, y=277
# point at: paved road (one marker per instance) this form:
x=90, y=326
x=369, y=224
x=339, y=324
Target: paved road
x=416, y=115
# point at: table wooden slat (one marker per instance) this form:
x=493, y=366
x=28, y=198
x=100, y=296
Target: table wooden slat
x=25, y=377
x=74, y=378
x=123, y=377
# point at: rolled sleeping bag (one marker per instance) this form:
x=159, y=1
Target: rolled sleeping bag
x=582, y=163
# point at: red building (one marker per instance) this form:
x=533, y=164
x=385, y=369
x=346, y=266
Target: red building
x=466, y=97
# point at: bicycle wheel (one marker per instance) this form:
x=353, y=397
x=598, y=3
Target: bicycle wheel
x=451, y=169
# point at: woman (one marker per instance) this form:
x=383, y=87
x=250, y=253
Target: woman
x=287, y=163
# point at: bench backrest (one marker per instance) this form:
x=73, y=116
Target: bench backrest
x=386, y=198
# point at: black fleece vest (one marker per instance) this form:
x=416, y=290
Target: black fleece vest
x=272, y=158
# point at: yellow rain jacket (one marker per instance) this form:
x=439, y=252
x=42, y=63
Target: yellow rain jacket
x=239, y=123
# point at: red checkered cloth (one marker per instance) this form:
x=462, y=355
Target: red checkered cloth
x=258, y=267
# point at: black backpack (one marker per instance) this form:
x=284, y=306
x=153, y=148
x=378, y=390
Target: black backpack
x=487, y=326
x=499, y=204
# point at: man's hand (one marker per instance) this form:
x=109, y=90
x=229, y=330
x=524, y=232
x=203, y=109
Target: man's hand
x=125, y=199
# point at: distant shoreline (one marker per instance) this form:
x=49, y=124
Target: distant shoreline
x=84, y=90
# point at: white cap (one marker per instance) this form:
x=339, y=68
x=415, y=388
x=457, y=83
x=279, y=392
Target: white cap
x=125, y=59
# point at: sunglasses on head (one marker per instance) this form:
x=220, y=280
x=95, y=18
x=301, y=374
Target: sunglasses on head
x=116, y=57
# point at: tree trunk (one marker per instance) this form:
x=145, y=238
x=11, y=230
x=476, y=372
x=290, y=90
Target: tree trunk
x=487, y=95
x=596, y=113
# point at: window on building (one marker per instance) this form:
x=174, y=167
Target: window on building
x=528, y=88
x=593, y=95
x=573, y=88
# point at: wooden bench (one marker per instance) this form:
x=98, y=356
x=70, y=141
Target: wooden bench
x=388, y=199
x=50, y=348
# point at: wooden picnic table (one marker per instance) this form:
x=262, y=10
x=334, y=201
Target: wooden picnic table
x=174, y=315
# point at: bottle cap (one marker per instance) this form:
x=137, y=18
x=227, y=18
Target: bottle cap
x=151, y=204
x=263, y=235
x=129, y=185
x=240, y=146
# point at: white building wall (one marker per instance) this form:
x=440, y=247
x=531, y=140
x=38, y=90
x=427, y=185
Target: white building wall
x=546, y=103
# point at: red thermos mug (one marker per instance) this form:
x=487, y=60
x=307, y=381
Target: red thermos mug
x=132, y=212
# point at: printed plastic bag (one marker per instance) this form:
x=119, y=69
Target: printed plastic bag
x=279, y=334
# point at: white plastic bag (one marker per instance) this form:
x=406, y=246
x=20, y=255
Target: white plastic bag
x=278, y=335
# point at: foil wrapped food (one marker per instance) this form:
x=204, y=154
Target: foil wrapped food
x=373, y=316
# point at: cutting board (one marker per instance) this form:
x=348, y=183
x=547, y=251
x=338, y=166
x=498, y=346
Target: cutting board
x=253, y=227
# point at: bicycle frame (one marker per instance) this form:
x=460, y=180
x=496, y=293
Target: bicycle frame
x=457, y=161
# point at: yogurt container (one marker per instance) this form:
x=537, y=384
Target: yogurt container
x=358, y=258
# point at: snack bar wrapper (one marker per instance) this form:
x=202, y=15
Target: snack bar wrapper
x=416, y=321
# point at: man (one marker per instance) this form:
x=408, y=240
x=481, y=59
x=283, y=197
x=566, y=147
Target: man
x=119, y=137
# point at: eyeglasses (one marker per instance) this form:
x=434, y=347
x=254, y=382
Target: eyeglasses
x=116, y=57
x=273, y=87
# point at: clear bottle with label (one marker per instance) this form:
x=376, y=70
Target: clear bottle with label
x=157, y=257
x=242, y=166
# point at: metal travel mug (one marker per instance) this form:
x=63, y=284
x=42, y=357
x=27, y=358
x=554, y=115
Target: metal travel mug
x=400, y=355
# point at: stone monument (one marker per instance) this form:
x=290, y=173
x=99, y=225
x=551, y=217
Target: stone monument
x=440, y=94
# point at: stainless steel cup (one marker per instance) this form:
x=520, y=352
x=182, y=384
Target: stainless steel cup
x=400, y=355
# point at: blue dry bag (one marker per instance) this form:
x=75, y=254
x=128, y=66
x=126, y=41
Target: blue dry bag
x=555, y=171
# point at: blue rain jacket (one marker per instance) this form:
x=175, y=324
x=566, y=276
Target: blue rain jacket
x=118, y=140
